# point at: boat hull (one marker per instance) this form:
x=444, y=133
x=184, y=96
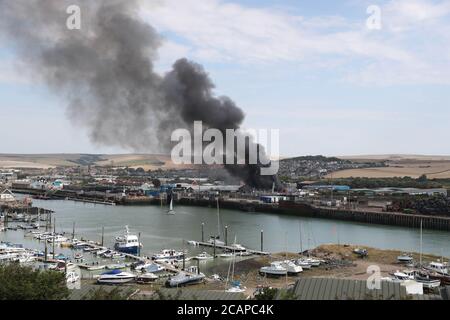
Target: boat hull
x=129, y=250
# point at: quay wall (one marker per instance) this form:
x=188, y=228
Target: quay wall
x=289, y=208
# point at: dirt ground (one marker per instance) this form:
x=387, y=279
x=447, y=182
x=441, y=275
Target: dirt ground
x=341, y=263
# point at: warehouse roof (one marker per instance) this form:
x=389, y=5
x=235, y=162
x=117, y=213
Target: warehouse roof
x=345, y=289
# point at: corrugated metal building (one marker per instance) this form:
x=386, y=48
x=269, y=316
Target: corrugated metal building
x=345, y=289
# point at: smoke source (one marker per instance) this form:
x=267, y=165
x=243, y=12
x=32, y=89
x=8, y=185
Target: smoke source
x=106, y=73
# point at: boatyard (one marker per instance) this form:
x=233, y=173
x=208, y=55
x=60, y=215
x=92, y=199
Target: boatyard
x=212, y=260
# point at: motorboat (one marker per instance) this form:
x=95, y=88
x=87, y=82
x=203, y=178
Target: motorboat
x=405, y=258
x=190, y=276
x=275, y=270
x=203, y=256
x=72, y=277
x=438, y=267
x=304, y=264
x=193, y=243
x=237, y=247
x=150, y=268
x=116, y=266
x=127, y=243
x=400, y=277
x=361, y=252
x=227, y=255
x=146, y=278
x=78, y=256
x=168, y=254
x=244, y=254
x=57, y=239
x=426, y=281
x=101, y=252
x=311, y=261
x=116, y=277
x=291, y=267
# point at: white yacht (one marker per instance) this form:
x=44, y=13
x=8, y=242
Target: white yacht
x=227, y=255
x=57, y=239
x=237, y=247
x=116, y=277
x=168, y=254
x=275, y=269
x=203, y=256
x=127, y=243
x=311, y=261
x=304, y=264
x=291, y=267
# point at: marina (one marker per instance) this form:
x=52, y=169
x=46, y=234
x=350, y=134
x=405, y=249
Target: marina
x=281, y=233
x=101, y=244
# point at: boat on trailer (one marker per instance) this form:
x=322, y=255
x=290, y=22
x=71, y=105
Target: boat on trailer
x=116, y=277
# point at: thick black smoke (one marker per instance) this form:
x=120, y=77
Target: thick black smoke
x=106, y=72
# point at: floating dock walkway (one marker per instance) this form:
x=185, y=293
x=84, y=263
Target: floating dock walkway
x=230, y=248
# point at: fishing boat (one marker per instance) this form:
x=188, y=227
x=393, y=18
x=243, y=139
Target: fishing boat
x=426, y=281
x=274, y=270
x=116, y=277
x=203, y=256
x=168, y=254
x=190, y=276
x=146, y=278
x=405, y=258
x=127, y=243
x=438, y=267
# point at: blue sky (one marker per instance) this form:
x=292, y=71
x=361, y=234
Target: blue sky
x=311, y=69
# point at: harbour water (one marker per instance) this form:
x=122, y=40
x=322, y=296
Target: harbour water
x=159, y=230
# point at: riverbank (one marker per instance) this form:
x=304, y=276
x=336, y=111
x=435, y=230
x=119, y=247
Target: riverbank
x=291, y=208
x=340, y=263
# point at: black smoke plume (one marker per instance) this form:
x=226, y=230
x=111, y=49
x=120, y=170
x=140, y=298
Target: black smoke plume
x=106, y=73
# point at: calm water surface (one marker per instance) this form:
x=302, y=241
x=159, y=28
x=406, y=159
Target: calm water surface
x=159, y=230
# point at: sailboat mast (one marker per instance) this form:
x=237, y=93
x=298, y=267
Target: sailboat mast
x=218, y=218
x=421, y=241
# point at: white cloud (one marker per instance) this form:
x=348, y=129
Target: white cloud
x=221, y=31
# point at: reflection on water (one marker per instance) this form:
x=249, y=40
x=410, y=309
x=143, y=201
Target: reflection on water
x=159, y=230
